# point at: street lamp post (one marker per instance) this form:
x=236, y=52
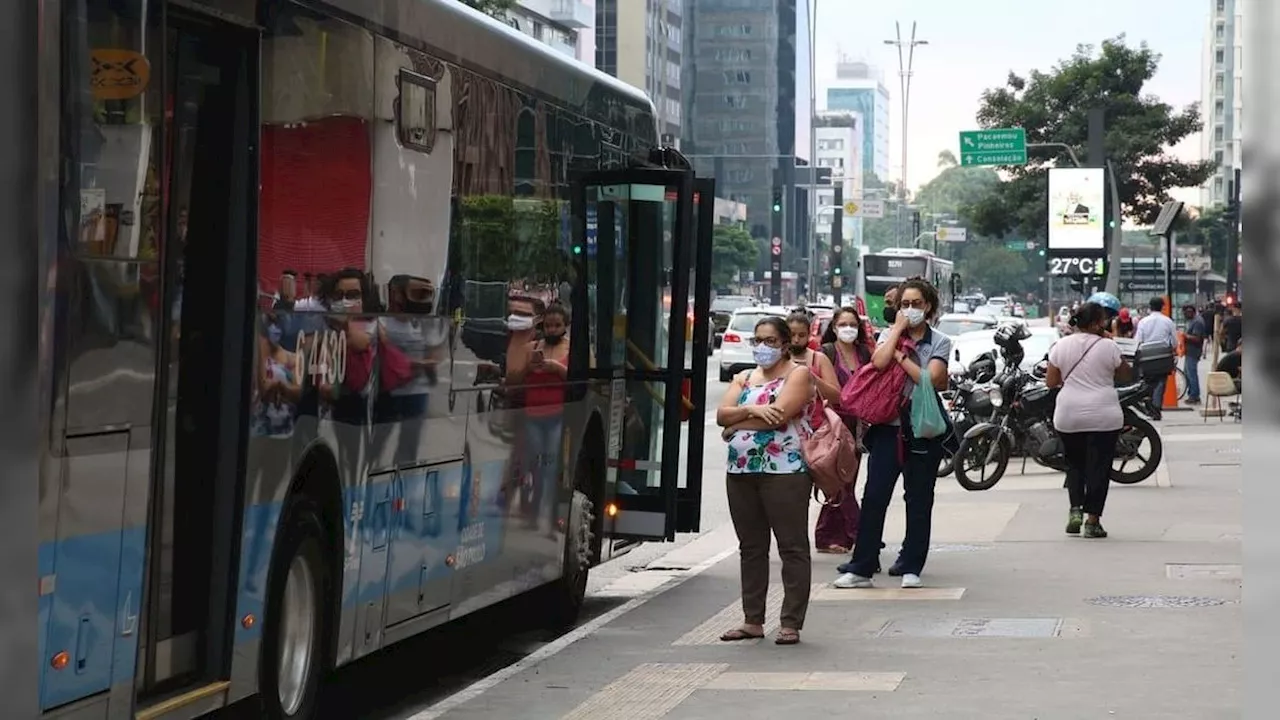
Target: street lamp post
x=904, y=87
x=812, y=7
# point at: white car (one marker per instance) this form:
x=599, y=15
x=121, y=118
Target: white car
x=966, y=347
x=735, y=346
x=955, y=324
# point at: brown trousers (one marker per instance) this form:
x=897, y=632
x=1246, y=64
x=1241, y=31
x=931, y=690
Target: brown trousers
x=760, y=503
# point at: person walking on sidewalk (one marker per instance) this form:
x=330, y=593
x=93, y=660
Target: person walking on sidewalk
x=848, y=348
x=894, y=451
x=767, y=480
x=1087, y=415
x=1156, y=327
x=1194, y=335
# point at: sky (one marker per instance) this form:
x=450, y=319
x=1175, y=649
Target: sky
x=974, y=44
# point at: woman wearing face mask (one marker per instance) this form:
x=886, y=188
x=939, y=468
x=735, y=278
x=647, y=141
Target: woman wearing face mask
x=767, y=480
x=346, y=301
x=279, y=383
x=1087, y=413
x=893, y=451
x=820, y=368
x=544, y=394
x=847, y=347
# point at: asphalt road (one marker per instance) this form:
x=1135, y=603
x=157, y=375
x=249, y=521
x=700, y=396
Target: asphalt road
x=413, y=675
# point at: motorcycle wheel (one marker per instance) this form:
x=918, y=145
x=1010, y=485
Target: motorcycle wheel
x=978, y=447
x=947, y=466
x=1135, y=431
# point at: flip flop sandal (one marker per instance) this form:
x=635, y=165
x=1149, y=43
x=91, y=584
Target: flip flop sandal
x=787, y=637
x=738, y=634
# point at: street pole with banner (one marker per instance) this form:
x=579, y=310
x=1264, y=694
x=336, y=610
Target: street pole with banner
x=1077, y=198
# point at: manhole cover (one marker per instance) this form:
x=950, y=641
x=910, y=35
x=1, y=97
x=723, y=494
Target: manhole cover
x=1197, y=571
x=1156, y=601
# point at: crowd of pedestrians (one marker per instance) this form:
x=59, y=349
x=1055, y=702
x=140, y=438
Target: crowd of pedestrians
x=770, y=414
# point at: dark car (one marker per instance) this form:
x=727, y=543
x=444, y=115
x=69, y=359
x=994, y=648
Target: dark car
x=722, y=309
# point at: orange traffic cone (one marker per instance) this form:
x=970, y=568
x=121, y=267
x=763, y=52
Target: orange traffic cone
x=1170, y=401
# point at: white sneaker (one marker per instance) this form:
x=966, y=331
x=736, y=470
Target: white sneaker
x=849, y=580
x=911, y=580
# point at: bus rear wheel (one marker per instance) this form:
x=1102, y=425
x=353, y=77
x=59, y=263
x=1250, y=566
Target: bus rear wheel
x=293, y=652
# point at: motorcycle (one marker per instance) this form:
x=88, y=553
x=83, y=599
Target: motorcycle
x=967, y=402
x=1023, y=424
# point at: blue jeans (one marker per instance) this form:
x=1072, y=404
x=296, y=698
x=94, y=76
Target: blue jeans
x=1157, y=392
x=543, y=436
x=1192, y=368
x=918, y=466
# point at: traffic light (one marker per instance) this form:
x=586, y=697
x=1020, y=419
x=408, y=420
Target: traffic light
x=777, y=200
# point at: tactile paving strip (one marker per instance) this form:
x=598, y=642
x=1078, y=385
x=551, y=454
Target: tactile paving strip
x=1157, y=601
x=709, y=632
x=973, y=628
x=1203, y=571
x=648, y=692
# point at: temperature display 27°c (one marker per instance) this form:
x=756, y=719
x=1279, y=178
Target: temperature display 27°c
x=1077, y=266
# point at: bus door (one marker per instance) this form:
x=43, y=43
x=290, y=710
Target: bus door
x=636, y=230
x=204, y=355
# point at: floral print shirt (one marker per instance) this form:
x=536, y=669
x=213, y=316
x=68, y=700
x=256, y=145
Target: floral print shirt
x=775, y=452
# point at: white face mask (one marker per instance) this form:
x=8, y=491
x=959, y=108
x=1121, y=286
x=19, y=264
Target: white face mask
x=848, y=333
x=915, y=316
x=519, y=323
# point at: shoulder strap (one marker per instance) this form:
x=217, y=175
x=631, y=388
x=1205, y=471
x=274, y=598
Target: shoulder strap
x=1082, y=357
x=829, y=349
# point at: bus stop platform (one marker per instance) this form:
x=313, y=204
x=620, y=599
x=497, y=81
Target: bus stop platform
x=1017, y=620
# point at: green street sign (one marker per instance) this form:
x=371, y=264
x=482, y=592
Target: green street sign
x=1004, y=146
x=1015, y=245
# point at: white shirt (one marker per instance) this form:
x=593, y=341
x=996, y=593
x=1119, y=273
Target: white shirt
x=1088, y=401
x=1158, y=328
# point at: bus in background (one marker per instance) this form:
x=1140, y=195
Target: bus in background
x=888, y=267
x=357, y=327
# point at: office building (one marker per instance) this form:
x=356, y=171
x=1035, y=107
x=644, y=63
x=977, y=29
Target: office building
x=740, y=106
x=566, y=25
x=840, y=147
x=859, y=88
x=1221, y=107
x=640, y=42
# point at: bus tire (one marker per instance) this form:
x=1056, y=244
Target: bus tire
x=296, y=618
x=565, y=596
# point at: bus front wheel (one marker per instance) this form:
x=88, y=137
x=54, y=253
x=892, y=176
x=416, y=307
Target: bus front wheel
x=295, y=628
x=565, y=596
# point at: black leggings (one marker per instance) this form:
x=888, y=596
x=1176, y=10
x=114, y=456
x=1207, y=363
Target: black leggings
x=1089, y=457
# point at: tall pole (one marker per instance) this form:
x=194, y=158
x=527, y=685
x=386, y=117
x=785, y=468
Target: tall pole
x=1233, y=237
x=837, y=240
x=905, y=67
x=812, y=244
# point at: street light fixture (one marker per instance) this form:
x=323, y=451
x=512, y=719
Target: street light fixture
x=904, y=85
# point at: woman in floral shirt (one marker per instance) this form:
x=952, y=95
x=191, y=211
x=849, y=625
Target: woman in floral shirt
x=768, y=482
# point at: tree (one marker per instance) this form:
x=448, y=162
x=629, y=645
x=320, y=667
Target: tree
x=733, y=251
x=996, y=270
x=956, y=188
x=1211, y=231
x=496, y=8
x=1053, y=107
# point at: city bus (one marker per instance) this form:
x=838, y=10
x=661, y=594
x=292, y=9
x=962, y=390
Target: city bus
x=880, y=270
x=305, y=390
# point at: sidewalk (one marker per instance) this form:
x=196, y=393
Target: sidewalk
x=1018, y=620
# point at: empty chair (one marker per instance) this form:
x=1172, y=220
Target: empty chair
x=1217, y=386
